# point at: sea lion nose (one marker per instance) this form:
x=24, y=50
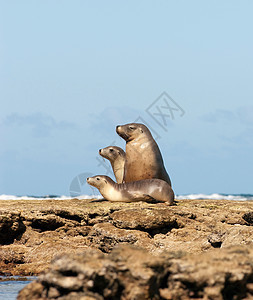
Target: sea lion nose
x=100, y=151
x=87, y=179
x=117, y=128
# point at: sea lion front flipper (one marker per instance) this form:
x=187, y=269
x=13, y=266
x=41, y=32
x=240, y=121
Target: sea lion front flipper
x=150, y=199
x=138, y=196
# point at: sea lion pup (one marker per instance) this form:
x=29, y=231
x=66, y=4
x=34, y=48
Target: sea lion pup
x=143, y=157
x=117, y=157
x=142, y=190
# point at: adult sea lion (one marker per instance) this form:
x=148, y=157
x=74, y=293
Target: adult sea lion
x=141, y=190
x=117, y=157
x=143, y=157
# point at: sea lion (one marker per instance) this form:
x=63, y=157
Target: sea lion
x=141, y=190
x=117, y=157
x=143, y=157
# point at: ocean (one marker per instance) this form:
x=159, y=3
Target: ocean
x=10, y=286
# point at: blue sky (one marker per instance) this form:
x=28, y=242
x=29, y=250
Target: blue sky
x=70, y=71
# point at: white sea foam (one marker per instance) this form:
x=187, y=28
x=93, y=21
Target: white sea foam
x=241, y=197
x=215, y=196
x=81, y=197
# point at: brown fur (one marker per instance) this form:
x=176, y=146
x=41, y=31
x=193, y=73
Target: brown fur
x=141, y=190
x=117, y=158
x=143, y=156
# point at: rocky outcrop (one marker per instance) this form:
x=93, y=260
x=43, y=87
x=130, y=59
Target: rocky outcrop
x=32, y=233
x=132, y=273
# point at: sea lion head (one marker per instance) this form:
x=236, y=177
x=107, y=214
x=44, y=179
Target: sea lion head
x=132, y=131
x=112, y=152
x=99, y=181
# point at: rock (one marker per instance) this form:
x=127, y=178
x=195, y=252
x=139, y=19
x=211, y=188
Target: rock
x=238, y=235
x=48, y=223
x=126, y=272
x=34, y=290
x=132, y=273
x=12, y=256
x=150, y=220
x=11, y=227
x=248, y=217
x=216, y=239
x=105, y=236
x=33, y=232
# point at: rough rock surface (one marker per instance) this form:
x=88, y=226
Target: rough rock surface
x=132, y=273
x=32, y=233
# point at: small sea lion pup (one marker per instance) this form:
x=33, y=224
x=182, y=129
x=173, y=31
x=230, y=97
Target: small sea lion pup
x=143, y=157
x=117, y=157
x=142, y=190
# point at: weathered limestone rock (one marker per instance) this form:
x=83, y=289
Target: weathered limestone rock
x=33, y=232
x=11, y=227
x=152, y=220
x=132, y=273
x=105, y=236
x=248, y=217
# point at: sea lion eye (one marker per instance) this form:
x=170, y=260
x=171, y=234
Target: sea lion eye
x=111, y=150
x=131, y=127
x=98, y=178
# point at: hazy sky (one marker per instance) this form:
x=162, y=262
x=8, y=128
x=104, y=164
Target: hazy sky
x=70, y=71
